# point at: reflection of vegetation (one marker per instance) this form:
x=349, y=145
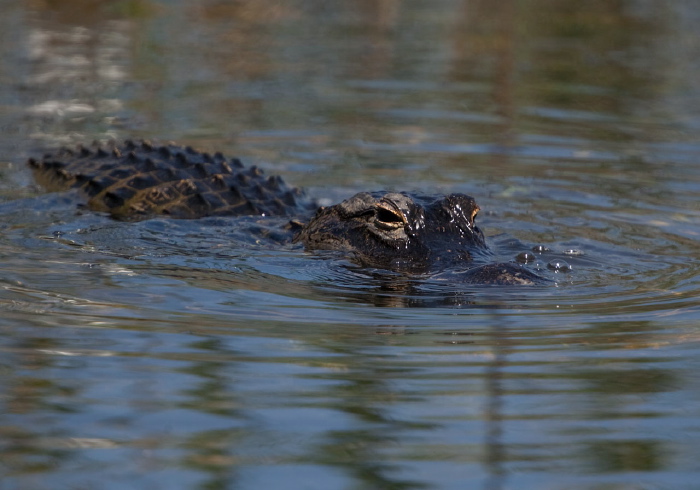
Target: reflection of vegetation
x=593, y=59
x=636, y=379
x=273, y=65
x=211, y=394
x=583, y=55
x=210, y=452
x=35, y=393
x=613, y=376
x=131, y=9
x=610, y=382
x=366, y=396
x=23, y=452
x=356, y=451
x=76, y=11
x=621, y=456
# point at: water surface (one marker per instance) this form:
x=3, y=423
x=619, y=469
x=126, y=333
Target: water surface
x=188, y=354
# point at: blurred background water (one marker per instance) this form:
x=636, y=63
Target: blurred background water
x=171, y=354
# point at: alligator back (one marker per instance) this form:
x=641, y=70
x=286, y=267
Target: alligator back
x=138, y=180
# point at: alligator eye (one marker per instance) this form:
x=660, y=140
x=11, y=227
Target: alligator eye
x=388, y=218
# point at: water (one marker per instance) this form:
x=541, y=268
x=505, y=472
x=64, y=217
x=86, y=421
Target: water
x=173, y=354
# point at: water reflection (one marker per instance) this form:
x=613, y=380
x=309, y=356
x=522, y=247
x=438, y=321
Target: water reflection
x=77, y=63
x=495, y=449
x=186, y=355
x=616, y=456
x=213, y=452
x=592, y=59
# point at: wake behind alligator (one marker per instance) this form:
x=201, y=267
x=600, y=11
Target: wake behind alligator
x=398, y=231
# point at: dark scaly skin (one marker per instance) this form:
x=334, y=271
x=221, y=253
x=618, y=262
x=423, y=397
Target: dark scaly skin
x=388, y=230
x=412, y=233
x=405, y=231
x=140, y=180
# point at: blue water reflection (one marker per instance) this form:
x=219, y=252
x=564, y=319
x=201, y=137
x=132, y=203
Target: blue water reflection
x=173, y=354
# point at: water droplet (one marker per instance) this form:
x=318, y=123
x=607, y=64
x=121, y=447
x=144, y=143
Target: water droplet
x=525, y=257
x=559, y=266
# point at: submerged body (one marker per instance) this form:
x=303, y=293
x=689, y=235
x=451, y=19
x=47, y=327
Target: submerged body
x=398, y=231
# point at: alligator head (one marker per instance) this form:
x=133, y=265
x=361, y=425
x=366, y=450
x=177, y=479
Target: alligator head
x=398, y=230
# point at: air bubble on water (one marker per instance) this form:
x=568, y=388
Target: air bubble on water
x=559, y=266
x=525, y=257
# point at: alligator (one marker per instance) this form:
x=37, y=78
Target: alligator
x=396, y=231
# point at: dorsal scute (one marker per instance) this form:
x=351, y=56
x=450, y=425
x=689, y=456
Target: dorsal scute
x=134, y=180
